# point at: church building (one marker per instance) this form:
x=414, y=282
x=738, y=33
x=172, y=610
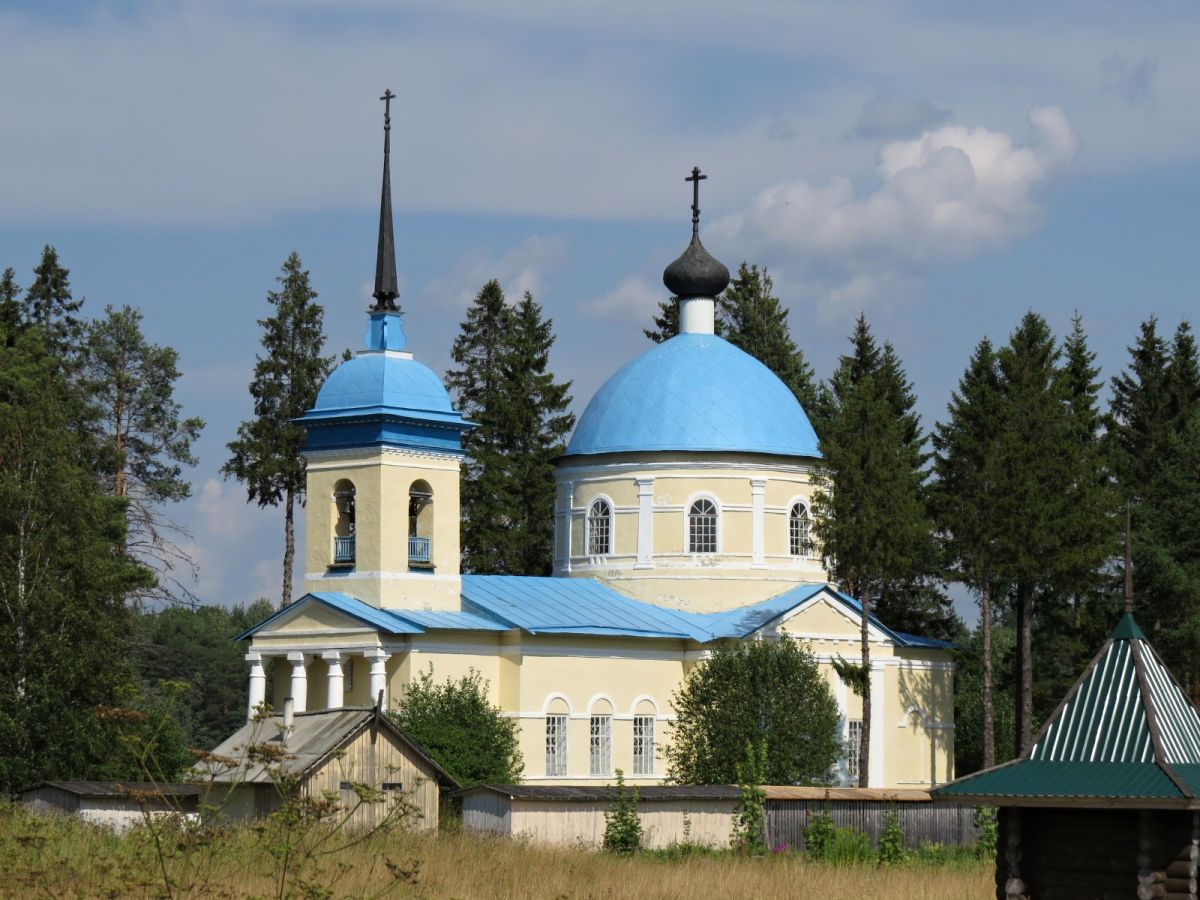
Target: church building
x=683, y=518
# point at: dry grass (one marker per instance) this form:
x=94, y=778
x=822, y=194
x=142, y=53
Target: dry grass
x=58, y=857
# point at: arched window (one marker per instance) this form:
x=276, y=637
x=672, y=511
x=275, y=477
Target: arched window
x=599, y=528
x=420, y=525
x=800, y=531
x=343, y=528
x=702, y=526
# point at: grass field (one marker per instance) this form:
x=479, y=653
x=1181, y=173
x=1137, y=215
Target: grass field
x=60, y=857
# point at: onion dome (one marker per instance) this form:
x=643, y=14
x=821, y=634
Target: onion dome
x=696, y=273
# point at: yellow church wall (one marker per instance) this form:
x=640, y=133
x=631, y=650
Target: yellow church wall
x=381, y=574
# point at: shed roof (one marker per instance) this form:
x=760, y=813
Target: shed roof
x=1125, y=734
x=251, y=752
x=147, y=789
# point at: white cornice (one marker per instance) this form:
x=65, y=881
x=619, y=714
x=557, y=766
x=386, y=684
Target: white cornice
x=321, y=459
x=683, y=462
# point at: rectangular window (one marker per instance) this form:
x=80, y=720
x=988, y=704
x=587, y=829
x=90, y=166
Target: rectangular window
x=601, y=744
x=643, y=745
x=348, y=676
x=853, y=736
x=556, y=745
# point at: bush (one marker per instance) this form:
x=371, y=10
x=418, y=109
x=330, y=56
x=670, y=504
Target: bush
x=622, y=827
x=891, y=841
x=749, y=814
x=818, y=836
x=989, y=832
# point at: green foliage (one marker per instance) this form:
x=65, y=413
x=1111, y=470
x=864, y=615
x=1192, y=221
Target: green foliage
x=622, y=827
x=968, y=700
x=131, y=385
x=749, y=815
x=666, y=322
x=854, y=675
x=841, y=846
x=287, y=376
x=63, y=617
x=502, y=383
x=770, y=691
x=459, y=727
x=988, y=823
x=819, y=835
x=196, y=647
x=891, y=839
x=754, y=320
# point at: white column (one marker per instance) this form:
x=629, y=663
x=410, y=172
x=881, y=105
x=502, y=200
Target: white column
x=570, y=521
x=336, y=693
x=258, y=682
x=697, y=315
x=645, y=541
x=839, y=697
x=378, y=660
x=758, y=557
x=299, y=681
x=878, y=741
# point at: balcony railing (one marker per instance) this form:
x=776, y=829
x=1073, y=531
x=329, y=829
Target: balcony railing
x=343, y=549
x=419, y=553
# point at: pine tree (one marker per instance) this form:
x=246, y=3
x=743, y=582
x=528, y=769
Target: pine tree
x=755, y=321
x=870, y=515
x=131, y=384
x=49, y=304
x=502, y=384
x=63, y=616
x=266, y=455
x=964, y=498
x=538, y=424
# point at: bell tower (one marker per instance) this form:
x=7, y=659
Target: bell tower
x=383, y=452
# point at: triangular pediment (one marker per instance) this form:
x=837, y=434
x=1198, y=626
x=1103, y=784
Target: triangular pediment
x=330, y=613
x=825, y=616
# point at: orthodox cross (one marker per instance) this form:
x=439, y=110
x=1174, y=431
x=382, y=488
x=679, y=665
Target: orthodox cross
x=387, y=119
x=695, y=178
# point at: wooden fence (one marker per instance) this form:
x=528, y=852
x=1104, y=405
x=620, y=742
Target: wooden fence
x=790, y=810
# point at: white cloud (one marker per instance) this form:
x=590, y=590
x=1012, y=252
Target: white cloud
x=633, y=297
x=950, y=193
x=518, y=270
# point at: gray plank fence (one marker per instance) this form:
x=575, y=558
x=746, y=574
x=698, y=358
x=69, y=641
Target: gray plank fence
x=950, y=824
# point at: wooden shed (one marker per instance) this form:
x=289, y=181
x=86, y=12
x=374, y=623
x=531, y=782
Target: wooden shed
x=1106, y=802
x=116, y=804
x=574, y=816
x=327, y=752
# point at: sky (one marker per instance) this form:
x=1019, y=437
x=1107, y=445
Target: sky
x=941, y=167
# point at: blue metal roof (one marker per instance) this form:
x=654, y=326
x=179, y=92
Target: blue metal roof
x=573, y=606
x=694, y=392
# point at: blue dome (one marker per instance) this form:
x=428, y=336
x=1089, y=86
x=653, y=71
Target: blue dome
x=380, y=381
x=694, y=392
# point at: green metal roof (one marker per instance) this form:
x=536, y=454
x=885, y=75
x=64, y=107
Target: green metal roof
x=1125, y=731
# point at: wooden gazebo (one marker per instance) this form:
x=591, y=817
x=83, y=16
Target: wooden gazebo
x=1106, y=803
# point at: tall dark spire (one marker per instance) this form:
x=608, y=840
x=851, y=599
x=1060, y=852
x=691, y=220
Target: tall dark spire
x=386, y=287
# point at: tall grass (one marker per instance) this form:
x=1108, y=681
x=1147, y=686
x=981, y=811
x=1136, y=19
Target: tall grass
x=62, y=857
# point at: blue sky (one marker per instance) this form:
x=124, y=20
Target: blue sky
x=942, y=167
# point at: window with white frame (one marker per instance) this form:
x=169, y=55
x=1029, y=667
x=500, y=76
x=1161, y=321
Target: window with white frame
x=599, y=528
x=643, y=745
x=800, y=531
x=853, y=743
x=601, y=744
x=556, y=745
x=702, y=526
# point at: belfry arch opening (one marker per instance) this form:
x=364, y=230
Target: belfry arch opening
x=420, y=525
x=343, y=523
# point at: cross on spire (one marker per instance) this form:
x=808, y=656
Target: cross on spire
x=695, y=178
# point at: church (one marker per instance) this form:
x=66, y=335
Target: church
x=683, y=518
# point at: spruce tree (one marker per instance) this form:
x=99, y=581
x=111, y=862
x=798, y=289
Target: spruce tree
x=666, y=322
x=503, y=385
x=10, y=304
x=287, y=376
x=870, y=512
x=1139, y=419
x=131, y=384
x=480, y=351
x=537, y=423
x=755, y=321
x=964, y=498
x=49, y=304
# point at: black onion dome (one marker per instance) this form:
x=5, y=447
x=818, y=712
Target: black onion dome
x=696, y=273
